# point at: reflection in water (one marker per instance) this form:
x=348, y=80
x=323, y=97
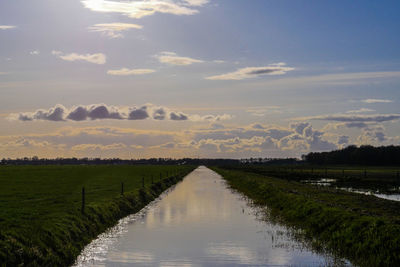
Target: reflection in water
x=331, y=182
x=198, y=223
x=395, y=197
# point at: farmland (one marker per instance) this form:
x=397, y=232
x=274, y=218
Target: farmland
x=362, y=228
x=41, y=216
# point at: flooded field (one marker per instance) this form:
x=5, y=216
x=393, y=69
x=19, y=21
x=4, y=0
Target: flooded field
x=395, y=196
x=200, y=222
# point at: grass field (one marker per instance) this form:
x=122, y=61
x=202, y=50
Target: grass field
x=41, y=221
x=362, y=228
x=368, y=177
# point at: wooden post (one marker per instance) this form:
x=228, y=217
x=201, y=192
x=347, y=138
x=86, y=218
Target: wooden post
x=83, y=200
x=122, y=188
x=143, y=181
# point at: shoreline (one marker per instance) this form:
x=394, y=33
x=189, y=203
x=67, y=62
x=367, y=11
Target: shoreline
x=60, y=244
x=356, y=227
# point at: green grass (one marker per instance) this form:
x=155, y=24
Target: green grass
x=41, y=222
x=364, y=229
x=367, y=177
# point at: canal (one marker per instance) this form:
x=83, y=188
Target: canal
x=200, y=222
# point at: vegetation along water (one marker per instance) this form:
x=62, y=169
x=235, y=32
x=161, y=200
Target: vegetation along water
x=43, y=219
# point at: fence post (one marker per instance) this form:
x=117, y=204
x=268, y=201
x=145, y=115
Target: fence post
x=143, y=182
x=83, y=200
x=122, y=188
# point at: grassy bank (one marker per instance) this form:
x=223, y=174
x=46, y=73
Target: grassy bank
x=41, y=219
x=364, y=229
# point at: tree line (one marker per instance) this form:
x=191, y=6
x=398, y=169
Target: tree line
x=115, y=161
x=363, y=155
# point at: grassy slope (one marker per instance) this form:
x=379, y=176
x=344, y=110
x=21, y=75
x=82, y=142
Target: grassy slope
x=362, y=228
x=40, y=207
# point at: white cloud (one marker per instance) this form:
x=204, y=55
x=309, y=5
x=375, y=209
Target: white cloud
x=113, y=30
x=361, y=110
x=372, y=101
x=7, y=27
x=126, y=72
x=97, y=58
x=196, y=2
x=34, y=52
x=251, y=72
x=142, y=8
x=172, y=58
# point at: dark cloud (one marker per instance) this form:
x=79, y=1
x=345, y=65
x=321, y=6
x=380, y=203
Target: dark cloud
x=159, y=114
x=357, y=118
x=356, y=125
x=177, y=116
x=138, y=114
x=78, y=114
x=102, y=112
x=263, y=71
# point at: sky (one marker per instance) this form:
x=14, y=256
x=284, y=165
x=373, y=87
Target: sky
x=197, y=78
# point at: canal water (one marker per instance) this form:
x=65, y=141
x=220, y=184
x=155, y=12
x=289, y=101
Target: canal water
x=200, y=222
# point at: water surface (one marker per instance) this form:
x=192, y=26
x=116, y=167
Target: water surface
x=200, y=222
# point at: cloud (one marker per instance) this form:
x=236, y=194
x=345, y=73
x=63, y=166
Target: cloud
x=138, y=113
x=354, y=118
x=97, y=58
x=196, y=2
x=7, y=27
x=34, y=52
x=356, y=125
x=141, y=8
x=178, y=116
x=113, y=30
x=103, y=111
x=343, y=140
x=372, y=101
x=251, y=72
x=172, y=58
x=263, y=110
x=85, y=147
x=361, y=110
x=372, y=136
x=254, y=140
x=127, y=72
x=211, y=118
